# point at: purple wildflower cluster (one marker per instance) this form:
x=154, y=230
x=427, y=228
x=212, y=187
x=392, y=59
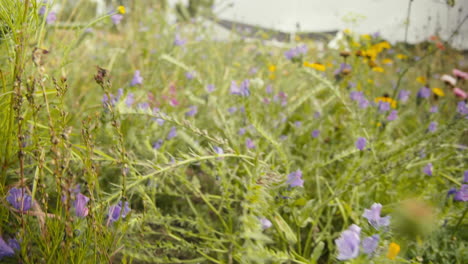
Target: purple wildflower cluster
x=117, y=211
x=461, y=195
x=7, y=249
x=358, y=97
x=349, y=243
x=19, y=199
x=242, y=89
x=296, y=52
x=295, y=179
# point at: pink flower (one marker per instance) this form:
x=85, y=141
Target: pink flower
x=460, y=74
x=449, y=79
x=460, y=93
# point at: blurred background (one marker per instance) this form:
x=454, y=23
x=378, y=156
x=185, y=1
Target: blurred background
x=390, y=18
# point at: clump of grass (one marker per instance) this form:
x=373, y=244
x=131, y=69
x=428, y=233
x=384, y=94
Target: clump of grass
x=133, y=140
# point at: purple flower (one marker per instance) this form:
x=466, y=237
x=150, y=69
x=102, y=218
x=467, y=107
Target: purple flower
x=130, y=99
x=158, y=144
x=348, y=243
x=7, y=250
x=462, y=108
x=373, y=216
x=242, y=89
x=428, y=169
x=51, y=17
x=80, y=205
x=143, y=106
x=232, y=110
x=298, y=123
x=218, y=150
x=242, y=131
x=403, y=96
x=432, y=126
x=361, y=143
x=393, y=115
x=356, y=96
x=190, y=75
x=316, y=133
x=269, y=88
x=295, y=179
x=384, y=106
x=249, y=143
x=452, y=191
x=172, y=133
x=462, y=194
x=465, y=176
x=193, y=110
x=343, y=67
x=115, y=212
x=434, y=109
x=19, y=199
x=137, y=79
x=116, y=18
x=178, y=41
x=43, y=8
x=363, y=103
x=265, y=223
x=369, y=244
x=424, y=92
x=253, y=70
x=210, y=88
x=296, y=52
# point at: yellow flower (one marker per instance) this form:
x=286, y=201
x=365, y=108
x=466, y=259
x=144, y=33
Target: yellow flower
x=366, y=37
x=370, y=81
x=121, y=9
x=316, y=66
x=401, y=56
x=272, y=68
x=272, y=77
x=298, y=38
x=378, y=69
x=383, y=45
x=347, y=31
x=389, y=100
x=355, y=44
x=387, y=61
x=421, y=79
x=438, y=92
x=393, y=250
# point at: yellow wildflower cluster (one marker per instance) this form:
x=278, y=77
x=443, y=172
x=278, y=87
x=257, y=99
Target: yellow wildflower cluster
x=378, y=69
x=272, y=68
x=316, y=66
x=438, y=92
x=121, y=9
x=393, y=250
x=389, y=100
x=387, y=61
x=401, y=56
x=421, y=79
x=376, y=49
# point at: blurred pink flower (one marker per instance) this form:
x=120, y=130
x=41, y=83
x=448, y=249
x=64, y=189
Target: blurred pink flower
x=460, y=93
x=460, y=74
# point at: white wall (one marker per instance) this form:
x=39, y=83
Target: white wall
x=385, y=16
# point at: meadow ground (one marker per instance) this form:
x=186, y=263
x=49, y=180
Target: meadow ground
x=126, y=139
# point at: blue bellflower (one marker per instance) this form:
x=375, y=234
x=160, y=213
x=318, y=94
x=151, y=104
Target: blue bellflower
x=348, y=243
x=373, y=216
